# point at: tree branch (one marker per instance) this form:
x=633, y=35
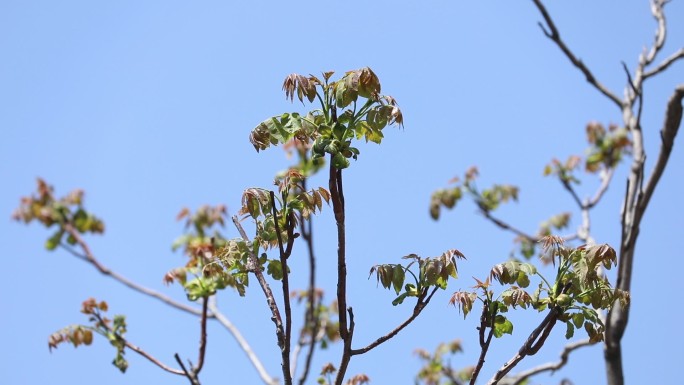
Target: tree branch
x=420, y=305
x=346, y=352
x=270, y=299
x=673, y=119
x=665, y=63
x=531, y=346
x=337, y=196
x=203, y=337
x=550, y=366
x=484, y=342
x=246, y=348
x=135, y=348
x=193, y=380
x=553, y=34
x=89, y=257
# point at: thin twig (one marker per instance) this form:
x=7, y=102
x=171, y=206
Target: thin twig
x=137, y=349
x=551, y=366
x=505, y=226
x=553, y=34
x=89, y=257
x=186, y=372
x=665, y=63
x=420, y=305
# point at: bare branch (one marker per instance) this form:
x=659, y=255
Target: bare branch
x=223, y=320
x=193, y=380
x=665, y=63
x=101, y=322
x=551, y=366
x=152, y=359
x=505, y=226
x=553, y=34
x=606, y=177
x=89, y=257
x=420, y=305
x=673, y=119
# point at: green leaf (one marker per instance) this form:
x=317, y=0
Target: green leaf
x=54, y=240
x=502, y=326
x=398, y=276
x=340, y=162
x=275, y=269
x=570, y=331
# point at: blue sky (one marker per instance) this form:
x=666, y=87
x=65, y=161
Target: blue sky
x=147, y=106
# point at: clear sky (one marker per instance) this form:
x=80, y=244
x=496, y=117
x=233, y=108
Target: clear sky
x=147, y=105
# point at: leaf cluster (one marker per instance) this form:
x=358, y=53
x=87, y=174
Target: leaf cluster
x=350, y=108
x=68, y=210
x=577, y=292
x=487, y=200
x=430, y=272
x=112, y=329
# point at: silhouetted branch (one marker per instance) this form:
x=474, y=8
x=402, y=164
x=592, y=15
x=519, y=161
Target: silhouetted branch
x=193, y=380
x=552, y=33
x=420, y=305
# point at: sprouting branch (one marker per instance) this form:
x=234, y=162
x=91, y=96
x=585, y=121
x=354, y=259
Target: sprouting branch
x=193, y=380
x=550, y=366
x=223, y=320
x=420, y=305
x=89, y=257
x=552, y=33
x=270, y=299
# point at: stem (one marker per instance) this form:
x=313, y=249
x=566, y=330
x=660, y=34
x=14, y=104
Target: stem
x=89, y=257
x=420, y=305
x=284, y=254
x=270, y=299
x=203, y=337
